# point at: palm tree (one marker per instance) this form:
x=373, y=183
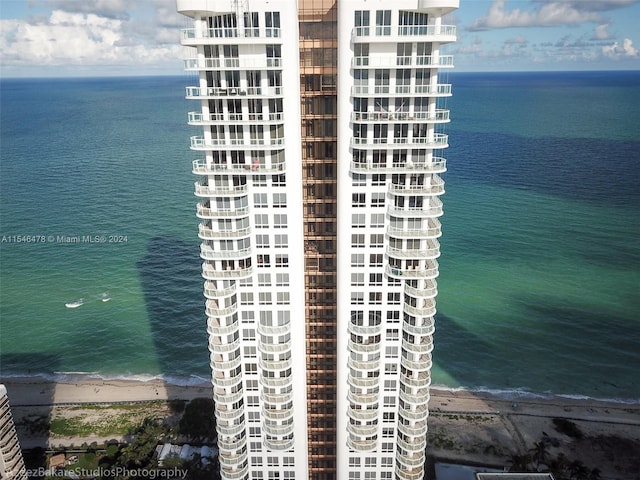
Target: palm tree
x=519, y=463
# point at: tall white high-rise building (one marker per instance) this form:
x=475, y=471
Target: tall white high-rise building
x=11, y=461
x=319, y=161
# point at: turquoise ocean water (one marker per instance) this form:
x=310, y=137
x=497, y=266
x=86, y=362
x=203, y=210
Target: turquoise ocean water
x=539, y=284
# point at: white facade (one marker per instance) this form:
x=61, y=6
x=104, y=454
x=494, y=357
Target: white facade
x=390, y=135
x=11, y=462
x=388, y=194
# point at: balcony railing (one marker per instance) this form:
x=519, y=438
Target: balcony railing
x=437, y=166
x=200, y=143
x=433, y=208
x=439, y=116
x=413, y=272
x=199, y=118
x=201, y=167
x=439, y=140
x=423, y=253
x=208, y=253
x=203, y=190
x=429, y=290
x=244, y=63
x=210, y=273
x=207, y=233
x=428, y=310
x=208, y=212
x=439, y=90
x=434, y=33
x=423, y=380
x=394, y=61
x=216, y=34
x=214, y=92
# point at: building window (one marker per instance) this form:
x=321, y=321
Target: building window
x=282, y=298
x=281, y=241
x=262, y=241
x=260, y=200
x=246, y=298
x=377, y=219
x=262, y=220
x=250, y=352
x=378, y=180
x=391, y=352
x=358, y=220
x=279, y=200
x=358, y=180
x=375, y=260
x=361, y=22
x=264, y=298
x=264, y=279
x=377, y=199
x=393, y=334
x=357, y=298
x=358, y=200
x=393, y=298
x=357, y=279
x=375, y=298
x=282, y=260
x=279, y=220
x=357, y=240
x=248, y=334
x=357, y=259
x=383, y=22
x=282, y=279
x=375, y=279
x=264, y=261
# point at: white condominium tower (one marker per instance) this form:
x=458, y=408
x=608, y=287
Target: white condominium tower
x=319, y=154
x=11, y=461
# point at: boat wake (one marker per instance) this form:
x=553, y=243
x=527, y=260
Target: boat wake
x=75, y=304
x=104, y=297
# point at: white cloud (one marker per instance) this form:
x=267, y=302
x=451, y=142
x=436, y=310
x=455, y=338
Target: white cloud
x=617, y=51
x=550, y=14
x=601, y=32
x=111, y=38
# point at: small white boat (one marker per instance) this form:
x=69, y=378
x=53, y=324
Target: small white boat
x=105, y=297
x=75, y=304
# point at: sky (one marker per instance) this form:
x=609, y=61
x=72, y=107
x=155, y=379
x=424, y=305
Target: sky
x=62, y=38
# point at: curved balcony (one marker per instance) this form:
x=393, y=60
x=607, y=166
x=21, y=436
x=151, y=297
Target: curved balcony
x=418, y=33
x=432, y=91
x=274, y=330
x=363, y=414
x=200, y=167
x=204, y=190
x=418, y=414
x=208, y=253
x=232, y=442
x=435, y=187
x=428, y=310
x=215, y=36
x=203, y=144
x=395, y=61
x=425, y=345
x=362, y=430
x=361, y=445
x=232, y=429
x=363, y=398
x=433, y=231
x=415, y=398
x=233, y=474
x=274, y=347
x=227, y=381
x=277, y=415
x=275, y=365
x=210, y=273
x=230, y=461
x=197, y=93
x=417, y=365
x=414, y=445
x=277, y=429
x=201, y=119
x=438, y=116
x=427, y=272
x=212, y=213
x=276, y=398
x=222, y=330
x=437, y=166
x=409, y=474
x=222, y=412
x=432, y=207
x=278, y=444
x=207, y=233
x=244, y=63
x=420, y=428
x=212, y=291
x=426, y=327
x=362, y=382
x=429, y=290
x=221, y=365
x=364, y=366
x=278, y=382
x=363, y=347
x=224, y=397
x=422, y=380
x=415, y=460
x=223, y=347
x=439, y=140
x=430, y=253
x=365, y=329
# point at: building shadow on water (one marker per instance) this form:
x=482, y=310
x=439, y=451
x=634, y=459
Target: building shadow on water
x=170, y=275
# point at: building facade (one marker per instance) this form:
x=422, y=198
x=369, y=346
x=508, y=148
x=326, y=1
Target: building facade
x=320, y=320
x=11, y=461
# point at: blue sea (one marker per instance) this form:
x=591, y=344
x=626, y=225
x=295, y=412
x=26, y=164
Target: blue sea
x=539, y=284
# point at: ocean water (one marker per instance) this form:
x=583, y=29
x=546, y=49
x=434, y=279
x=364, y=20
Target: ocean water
x=539, y=284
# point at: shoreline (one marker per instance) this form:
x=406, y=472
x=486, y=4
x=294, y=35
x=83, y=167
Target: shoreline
x=465, y=426
x=139, y=385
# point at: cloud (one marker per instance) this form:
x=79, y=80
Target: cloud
x=550, y=13
x=107, y=38
x=617, y=51
x=601, y=32
x=116, y=9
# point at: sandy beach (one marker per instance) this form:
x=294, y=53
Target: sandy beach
x=464, y=426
